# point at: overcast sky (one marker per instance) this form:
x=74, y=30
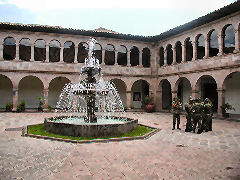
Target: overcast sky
x=149, y=17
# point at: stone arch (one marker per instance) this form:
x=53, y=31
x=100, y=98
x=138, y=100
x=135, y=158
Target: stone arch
x=178, y=47
x=82, y=52
x=146, y=55
x=134, y=56
x=6, y=91
x=54, y=51
x=98, y=52
x=189, y=49
x=40, y=50
x=206, y=86
x=161, y=55
x=213, y=43
x=139, y=90
x=169, y=54
x=109, y=54
x=122, y=55
x=232, y=88
x=184, y=89
x=228, y=38
x=54, y=90
x=121, y=88
x=25, y=49
x=68, y=52
x=29, y=89
x=200, y=46
x=9, y=48
x=166, y=90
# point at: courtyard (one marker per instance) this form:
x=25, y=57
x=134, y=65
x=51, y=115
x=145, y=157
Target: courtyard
x=166, y=155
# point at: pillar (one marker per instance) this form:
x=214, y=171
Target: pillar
x=47, y=53
x=207, y=45
x=15, y=99
x=237, y=48
x=221, y=43
x=159, y=100
x=115, y=53
x=194, y=51
x=128, y=94
x=61, y=54
x=45, y=93
x=140, y=58
x=184, y=53
x=174, y=94
x=32, y=52
x=103, y=56
x=195, y=93
x=1, y=51
x=128, y=58
x=17, y=51
x=174, y=55
x=76, y=55
x=221, y=101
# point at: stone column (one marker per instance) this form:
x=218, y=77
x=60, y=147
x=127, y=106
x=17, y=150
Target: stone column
x=140, y=59
x=174, y=94
x=195, y=93
x=207, y=45
x=17, y=51
x=45, y=93
x=128, y=58
x=47, y=53
x=103, y=57
x=221, y=43
x=115, y=53
x=159, y=100
x=1, y=51
x=174, y=55
x=32, y=53
x=76, y=55
x=165, y=58
x=61, y=54
x=237, y=48
x=15, y=99
x=129, y=94
x=194, y=50
x=184, y=53
x=221, y=101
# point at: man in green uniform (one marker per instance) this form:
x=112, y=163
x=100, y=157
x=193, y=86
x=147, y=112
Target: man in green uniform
x=176, y=108
x=197, y=109
x=188, y=109
x=207, y=117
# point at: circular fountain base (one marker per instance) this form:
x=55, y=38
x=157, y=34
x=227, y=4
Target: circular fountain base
x=116, y=128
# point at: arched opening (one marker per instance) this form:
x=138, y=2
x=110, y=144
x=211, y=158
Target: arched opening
x=6, y=91
x=169, y=54
x=82, y=52
x=161, y=55
x=146, y=57
x=189, y=49
x=207, y=87
x=140, y=90
x=122, y=56
x=213, y=43
x=134, y=56
x=40, y=50
x=29, y=89
x=232, y=89
x=9, y=48
x=68, y=52
x=54, y=51
x=55, y=88
x=109, y=55
x=178, y=52
x=184, y=90
x=200, y=46
x=25, y=49
x=98, y=52
x=121, y=88
x=229, y=39
x=166, y=94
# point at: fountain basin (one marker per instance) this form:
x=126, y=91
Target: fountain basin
x=114, y=126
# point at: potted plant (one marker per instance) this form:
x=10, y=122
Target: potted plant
x=8, y=107
x=148, y=104
x=226, y=107
x=40, y=104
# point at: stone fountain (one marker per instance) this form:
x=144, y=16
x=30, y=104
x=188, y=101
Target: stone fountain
x=90, y=108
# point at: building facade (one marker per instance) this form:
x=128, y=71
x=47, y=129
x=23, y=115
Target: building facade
x=199, y=59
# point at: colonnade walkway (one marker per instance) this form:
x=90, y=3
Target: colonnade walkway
x=166, y=155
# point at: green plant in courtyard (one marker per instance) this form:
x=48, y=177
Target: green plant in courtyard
x=21, y=107
x=132, y=106
x=226, y=107
x=49, y=108
x=40, y=103
x=8, y=107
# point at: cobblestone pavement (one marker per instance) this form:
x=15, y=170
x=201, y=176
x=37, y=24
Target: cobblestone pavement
x=166, y=155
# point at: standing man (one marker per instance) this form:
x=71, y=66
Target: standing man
x=188, y=109
x=176, y=108
x=207, y=126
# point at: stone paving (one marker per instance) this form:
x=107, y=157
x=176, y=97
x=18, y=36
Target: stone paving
x=166, y=155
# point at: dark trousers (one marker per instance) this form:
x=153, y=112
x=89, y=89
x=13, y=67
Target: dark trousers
x=176, y=117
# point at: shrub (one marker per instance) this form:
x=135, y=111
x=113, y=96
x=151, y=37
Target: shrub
x=132, y=106
x=49, y=107
x=21, y=107
x=9, y=107
x=41, y=102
